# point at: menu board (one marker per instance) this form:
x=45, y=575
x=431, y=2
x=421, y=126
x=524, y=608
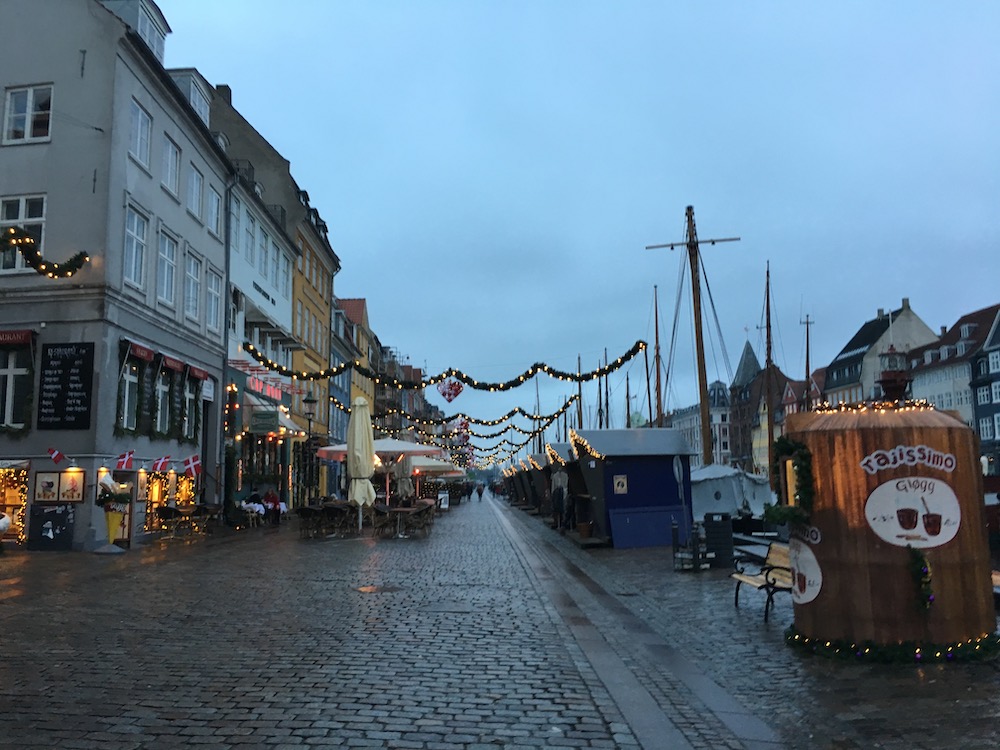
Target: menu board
x=65, y=387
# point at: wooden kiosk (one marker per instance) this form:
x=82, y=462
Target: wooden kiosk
x=894, y=553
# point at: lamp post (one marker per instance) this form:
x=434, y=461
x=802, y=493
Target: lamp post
x=309, y=404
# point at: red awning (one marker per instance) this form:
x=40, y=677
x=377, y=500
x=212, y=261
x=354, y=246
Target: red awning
x=16, y=337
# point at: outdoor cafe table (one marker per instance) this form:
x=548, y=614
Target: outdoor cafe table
x=400, y=512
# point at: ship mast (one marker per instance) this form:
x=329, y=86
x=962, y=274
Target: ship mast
x=656, y=358
x=691, y=243
x=769, y=375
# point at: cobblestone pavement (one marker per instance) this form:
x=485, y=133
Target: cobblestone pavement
x=492, y=632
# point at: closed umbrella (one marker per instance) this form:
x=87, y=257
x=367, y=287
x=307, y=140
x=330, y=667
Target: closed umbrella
x=360, y=456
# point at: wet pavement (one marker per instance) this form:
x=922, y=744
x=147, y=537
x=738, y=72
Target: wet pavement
x=492, y=632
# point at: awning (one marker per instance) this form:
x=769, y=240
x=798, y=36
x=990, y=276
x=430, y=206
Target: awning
x=265, y=416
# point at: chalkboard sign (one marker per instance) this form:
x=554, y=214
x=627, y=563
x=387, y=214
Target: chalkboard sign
x=50, y=527
x=65, y=387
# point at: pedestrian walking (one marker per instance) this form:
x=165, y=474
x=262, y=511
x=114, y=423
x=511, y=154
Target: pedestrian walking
x=479, y=491
x=560, y=484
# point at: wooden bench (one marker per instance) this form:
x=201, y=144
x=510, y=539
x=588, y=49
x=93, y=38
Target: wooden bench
x=775, y=575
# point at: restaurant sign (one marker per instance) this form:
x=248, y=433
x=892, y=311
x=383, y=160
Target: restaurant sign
x=263, y=421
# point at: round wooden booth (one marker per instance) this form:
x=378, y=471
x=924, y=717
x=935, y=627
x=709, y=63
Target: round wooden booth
x=895, y=550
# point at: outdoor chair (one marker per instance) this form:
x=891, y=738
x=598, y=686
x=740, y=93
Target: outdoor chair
x=169, y=518
x=310, y=521
x=419, y=520
x=382, y=521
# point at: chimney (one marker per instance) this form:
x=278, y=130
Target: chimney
x=225, y=92
x=944, y=330
x=881, y=313
x=906, y=303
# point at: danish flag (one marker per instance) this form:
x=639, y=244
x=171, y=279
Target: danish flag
x=161, y=464
x=125, y=460
x=57, y=455
x=192, y=466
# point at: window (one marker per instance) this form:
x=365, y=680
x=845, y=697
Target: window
x=140, y=128
x=213, y=306
x=995, y=361
x=136, y=227
x=298, y=319
x=195, y=187
x=199, y=102
x=163, y=402
x=27, y=213
x=166, y=267
x=249, y=238
x=263, y=246
x=15, y=387
x=286, y=276
x=983, y=395
x=996, y=425
x=190, y=408
x=986, y=428
x=234, y=224
x=129, y=395
x=171, y=166
x=28, y=114
x=151, y=34
x=275, y=262
x=214, y=212
x=996, y=392
x=192, y=287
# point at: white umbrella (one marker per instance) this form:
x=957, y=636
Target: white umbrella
x=360, y=456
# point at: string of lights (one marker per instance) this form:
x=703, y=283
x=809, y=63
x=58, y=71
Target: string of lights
x=18, y=239
x=468, y=380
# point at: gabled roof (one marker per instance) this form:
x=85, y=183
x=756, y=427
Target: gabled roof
x=748, y=368
x=354, y=309
x=661, y=441
x=866, y=337
x=980, y=323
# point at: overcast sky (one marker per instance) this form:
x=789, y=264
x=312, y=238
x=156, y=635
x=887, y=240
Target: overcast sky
x=491, y=172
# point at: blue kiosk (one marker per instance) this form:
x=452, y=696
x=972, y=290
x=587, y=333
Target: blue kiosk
x=638, y=484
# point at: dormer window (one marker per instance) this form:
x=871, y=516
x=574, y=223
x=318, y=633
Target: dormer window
x=967, y=329
x=199, y=101
x=151, y=33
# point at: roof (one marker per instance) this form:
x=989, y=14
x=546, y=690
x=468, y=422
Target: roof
x=662, y=441
x=354, y=309
x=977, y=324
x=749, y=366
x=718, y=471
x=565, y=451
x=866, y=337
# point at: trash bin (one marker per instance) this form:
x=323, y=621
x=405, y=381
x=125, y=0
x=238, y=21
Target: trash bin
x=719, y=539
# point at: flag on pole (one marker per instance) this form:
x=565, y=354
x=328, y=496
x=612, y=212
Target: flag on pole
x=125, y=460
x=57, y=455
x=161, y=464
x=192, y=466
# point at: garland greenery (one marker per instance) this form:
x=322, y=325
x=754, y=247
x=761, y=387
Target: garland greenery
x=921, y=571
x=798, y=514
x=908, y=652
x=18, y=239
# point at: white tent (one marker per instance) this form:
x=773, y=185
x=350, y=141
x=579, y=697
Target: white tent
x=723, y=489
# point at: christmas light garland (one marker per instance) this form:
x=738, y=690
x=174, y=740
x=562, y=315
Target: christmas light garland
x=987, y=646
x=877, y=406
x=391, y=382
x=18, y=239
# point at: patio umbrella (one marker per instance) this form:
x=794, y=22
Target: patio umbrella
x=427, y=466
x=360, y=456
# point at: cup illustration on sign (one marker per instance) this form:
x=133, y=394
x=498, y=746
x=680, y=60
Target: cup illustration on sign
x=800, y=581
x=907, y=518
x=48, y=490
x=932, y=521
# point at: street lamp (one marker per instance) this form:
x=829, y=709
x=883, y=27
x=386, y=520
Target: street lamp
x=309, y=404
